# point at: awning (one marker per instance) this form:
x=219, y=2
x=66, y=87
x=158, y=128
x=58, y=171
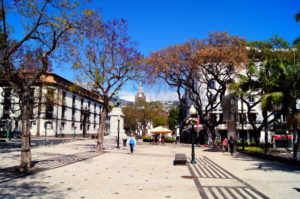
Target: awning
x=160, y=130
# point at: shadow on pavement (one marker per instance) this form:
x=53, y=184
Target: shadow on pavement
x=212, y=150
x=28, y=190
x=9, y=174
x=266, y=164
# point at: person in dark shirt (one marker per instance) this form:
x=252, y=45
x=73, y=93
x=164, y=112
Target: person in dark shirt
x=231, y=143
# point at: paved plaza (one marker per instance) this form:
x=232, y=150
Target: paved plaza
x=73, y=170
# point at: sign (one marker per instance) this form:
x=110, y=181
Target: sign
x=282, y=137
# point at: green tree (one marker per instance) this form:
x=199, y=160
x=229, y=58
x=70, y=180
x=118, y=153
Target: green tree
x=160, y=118
x=46, y=25
x=131, y=117
x=289, y=91
x=272, y=78
x=297, y=19
x=139, y=116
x=173, y=118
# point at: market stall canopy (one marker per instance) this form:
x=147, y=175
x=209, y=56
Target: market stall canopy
x=159, y=130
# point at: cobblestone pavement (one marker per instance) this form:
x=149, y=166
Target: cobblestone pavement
x=73, y=170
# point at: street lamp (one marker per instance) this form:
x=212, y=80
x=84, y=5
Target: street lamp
x=45, y=126
x=74, y=131
x=8, y=128
x=118, y=141
x=193, y=112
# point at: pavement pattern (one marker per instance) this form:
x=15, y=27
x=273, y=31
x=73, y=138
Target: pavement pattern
x=73, y=170
x=213, y=181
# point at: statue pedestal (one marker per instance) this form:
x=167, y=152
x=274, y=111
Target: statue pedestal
x=116, y=123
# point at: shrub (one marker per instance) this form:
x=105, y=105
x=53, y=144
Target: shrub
x=240, y=143
x=147, y=139
x=169, y=139
x=262, y=145
x=253, y=143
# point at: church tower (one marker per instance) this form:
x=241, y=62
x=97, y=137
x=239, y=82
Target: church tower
x=140, y=96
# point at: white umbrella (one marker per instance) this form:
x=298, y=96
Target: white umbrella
x=160, y=130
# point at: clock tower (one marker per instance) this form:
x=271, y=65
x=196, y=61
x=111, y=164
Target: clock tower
x=140, y=96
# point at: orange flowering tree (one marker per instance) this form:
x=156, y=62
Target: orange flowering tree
x=200, y=70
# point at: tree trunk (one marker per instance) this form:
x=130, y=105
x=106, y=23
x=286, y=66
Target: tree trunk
x=213, y=134
x=100, y=141
x=25, y=146
x=265, y=116
x=296, y=134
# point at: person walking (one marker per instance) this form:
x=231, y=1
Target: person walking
x=124, y=137
x=224, y=145
x=231, y=143
x=132, y=142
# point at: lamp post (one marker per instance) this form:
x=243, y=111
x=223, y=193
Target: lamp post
x=118, y=141
x=193, y=112
x=45, y=126
x=74, y=132
x=8, y=129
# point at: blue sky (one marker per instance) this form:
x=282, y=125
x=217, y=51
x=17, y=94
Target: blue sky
x=156, y=24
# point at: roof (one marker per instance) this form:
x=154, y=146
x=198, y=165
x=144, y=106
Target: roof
x=55, y=80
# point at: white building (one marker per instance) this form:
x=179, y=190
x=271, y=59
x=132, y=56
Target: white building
x=61, y=108
x=225, y=128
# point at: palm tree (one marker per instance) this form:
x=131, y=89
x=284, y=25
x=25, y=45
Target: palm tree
x=291, y=93
x=297, y=19
x=259, y=84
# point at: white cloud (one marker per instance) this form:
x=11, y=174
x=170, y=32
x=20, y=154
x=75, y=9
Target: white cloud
x=162, y=96
x=150, y=96
x=128, y=96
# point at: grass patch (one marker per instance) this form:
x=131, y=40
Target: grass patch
x=252, y=148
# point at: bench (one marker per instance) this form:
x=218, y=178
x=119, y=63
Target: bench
x=180, y=159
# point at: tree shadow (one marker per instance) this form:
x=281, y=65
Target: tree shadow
x=30, y=189
x=212, y=150
x=11, y=173
x=268, y=164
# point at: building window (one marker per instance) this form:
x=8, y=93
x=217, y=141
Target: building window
x=251, y=99
x=49, y=103
x=73, y=113
x=212, y=84
x=49, y=112
x=64, y=94
x=6, y=103
x=63, y=110
x=62, y=127
x=81, y=126
x=253, y=116
x=73, y=101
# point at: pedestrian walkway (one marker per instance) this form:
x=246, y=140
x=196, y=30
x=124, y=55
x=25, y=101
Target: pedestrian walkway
x=73, y=170
x=215, y=182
